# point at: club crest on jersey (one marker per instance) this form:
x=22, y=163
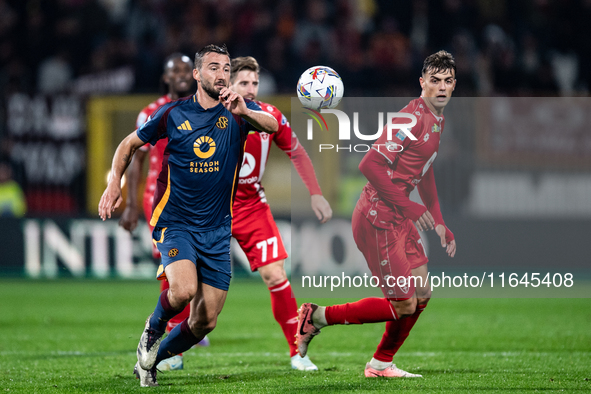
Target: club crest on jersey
x=204, y=147
x=222, y=122
x=173, y=252
x=404, y=288
x=435, y=129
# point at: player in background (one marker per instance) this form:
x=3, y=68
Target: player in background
x=254, y=227
x=178, y=77
x=383, y=224
x=192, y=214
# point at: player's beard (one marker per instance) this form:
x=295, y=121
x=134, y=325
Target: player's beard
x=210, y=90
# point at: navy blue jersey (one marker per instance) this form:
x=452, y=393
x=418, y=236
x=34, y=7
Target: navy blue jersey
x=201, y=163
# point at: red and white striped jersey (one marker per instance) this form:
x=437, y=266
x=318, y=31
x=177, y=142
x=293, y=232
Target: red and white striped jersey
x=256, y=154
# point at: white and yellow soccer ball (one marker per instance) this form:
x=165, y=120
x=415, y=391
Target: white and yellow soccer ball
x=320, y=87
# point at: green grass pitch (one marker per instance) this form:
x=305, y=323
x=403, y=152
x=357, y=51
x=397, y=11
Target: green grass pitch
x=80, y=337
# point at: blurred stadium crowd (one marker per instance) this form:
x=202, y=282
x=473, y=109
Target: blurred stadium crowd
x=520, y=151
x=502, y=47
x=86, y=48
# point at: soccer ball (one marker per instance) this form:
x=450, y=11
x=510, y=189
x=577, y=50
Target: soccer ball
x=320, y=87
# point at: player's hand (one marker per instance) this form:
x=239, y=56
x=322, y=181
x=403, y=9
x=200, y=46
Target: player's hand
x=129, y=218
x=110, y=200
x=451, y=246
x=425, y=222
x=321, y=208
x=233, y=102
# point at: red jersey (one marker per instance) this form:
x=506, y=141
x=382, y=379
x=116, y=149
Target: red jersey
x=156, y=152
x=256, y=155
x=405, y=170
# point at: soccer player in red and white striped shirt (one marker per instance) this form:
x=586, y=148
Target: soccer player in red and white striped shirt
x=384, y=224
x=254, y=227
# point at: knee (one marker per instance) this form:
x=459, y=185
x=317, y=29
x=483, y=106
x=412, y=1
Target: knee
x=424, y=297
x=273, y=274
x=405, y=308
x=181, y=296
x=203, y=325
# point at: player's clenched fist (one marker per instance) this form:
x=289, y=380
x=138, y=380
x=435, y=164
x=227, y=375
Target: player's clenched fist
x=233, y=102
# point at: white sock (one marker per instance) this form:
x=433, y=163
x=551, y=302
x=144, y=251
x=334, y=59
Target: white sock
x=319, y=317
x=379, y=365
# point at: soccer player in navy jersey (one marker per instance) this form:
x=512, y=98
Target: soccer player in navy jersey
x=178, y=78
x=384, y=225
x=192, y=213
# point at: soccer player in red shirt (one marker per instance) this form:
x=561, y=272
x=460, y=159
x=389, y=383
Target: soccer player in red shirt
x=383, y=226
x=178, y=77
x=254, y=227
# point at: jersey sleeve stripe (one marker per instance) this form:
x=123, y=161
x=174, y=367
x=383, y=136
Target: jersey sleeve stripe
x=160, y=207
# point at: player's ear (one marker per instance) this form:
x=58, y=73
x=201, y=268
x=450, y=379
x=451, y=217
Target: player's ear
x=196, y=75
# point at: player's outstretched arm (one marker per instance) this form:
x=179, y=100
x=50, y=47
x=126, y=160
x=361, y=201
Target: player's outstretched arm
x=235, y=103
x=111, y=198
x=129, y=217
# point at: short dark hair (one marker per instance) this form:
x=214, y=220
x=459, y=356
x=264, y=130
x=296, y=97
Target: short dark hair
x=208, y=49
x=243, y=63
x=439, y=62
x=176, y=55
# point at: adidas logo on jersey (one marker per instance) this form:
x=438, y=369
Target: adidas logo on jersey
x=185, y=126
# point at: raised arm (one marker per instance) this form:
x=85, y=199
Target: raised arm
x=261, y=121
x=111, y=198
x=235, y=103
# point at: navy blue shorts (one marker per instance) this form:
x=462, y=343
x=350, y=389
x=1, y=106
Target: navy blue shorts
x=209, y=250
